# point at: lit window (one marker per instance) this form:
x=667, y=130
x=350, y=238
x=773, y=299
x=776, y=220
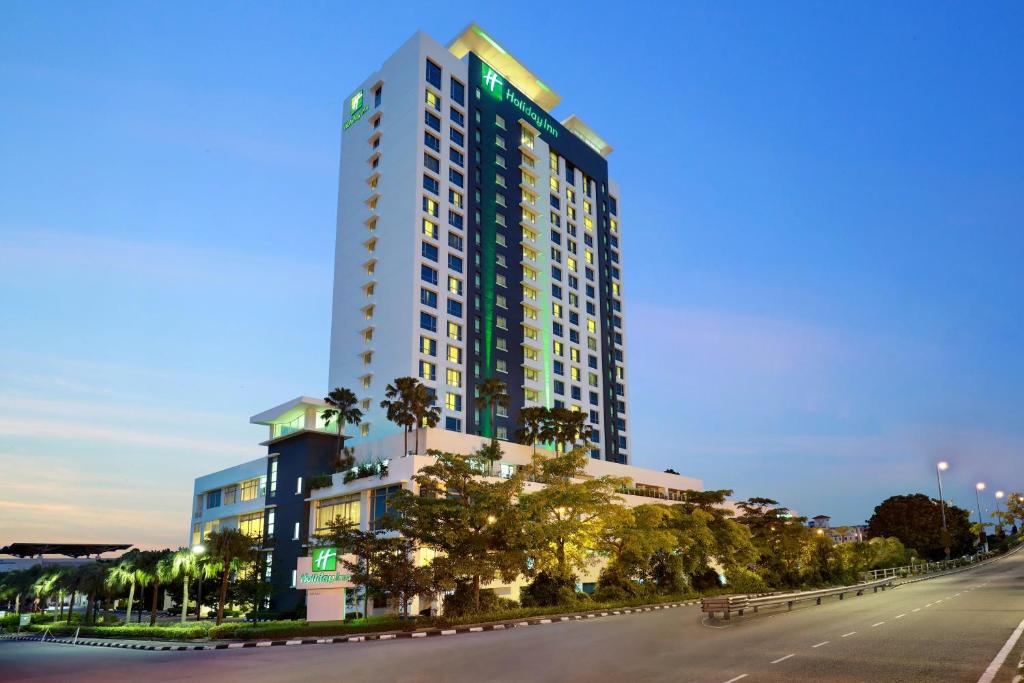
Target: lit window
x=429, y=229
x=454, y=354
x=591, y=325
x=453, y=401
x=433, y=100
x=428, y=346
x=428, y=370
x=453, y=377
x=454, y=331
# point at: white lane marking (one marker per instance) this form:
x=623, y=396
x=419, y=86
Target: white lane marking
x=824, y=642
x=733, y=680
x=929, y=604
x=916, y=609
x=848, y=634
x=878, y=624
x=993, y=668
x=782, y=659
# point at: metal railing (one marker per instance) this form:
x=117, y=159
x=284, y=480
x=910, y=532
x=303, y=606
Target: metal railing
x=920, y=568
x=726, y=604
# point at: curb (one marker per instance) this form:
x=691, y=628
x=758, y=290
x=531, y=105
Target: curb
x=399, y=635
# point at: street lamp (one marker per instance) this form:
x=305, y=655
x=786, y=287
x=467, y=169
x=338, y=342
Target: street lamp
x=941, y=467
x=978, y=488
x=999, y=495
x=198, y=550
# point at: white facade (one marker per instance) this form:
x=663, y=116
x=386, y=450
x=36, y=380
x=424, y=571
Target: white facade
x=232, y=498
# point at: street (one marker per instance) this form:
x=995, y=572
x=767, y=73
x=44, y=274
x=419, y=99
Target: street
x=945, y=629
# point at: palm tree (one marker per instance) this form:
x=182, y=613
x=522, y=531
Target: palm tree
x=229, y=551
x=90, y=579
x=531, y=420
x=399, y=405
x=124, y=573
x=491, y=393
x=426, y=413
x=342, y=410
x=184, y=564
x=164, y=574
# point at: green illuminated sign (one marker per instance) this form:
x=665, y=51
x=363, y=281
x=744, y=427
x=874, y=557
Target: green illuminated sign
x=356, y=109
x=323, y=578
x=325, y=559
x=492, y=82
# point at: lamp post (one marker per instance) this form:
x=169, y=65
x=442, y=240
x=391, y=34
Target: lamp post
x=978, y=488
x=198, y=551
x=941, y=467
x=999, y=512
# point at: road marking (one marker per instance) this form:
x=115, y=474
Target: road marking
x=824, y=642
x=993, y=668
x=929, y=604
x=916, y=609
x=733, y=680
x=782, y=659
x=878, y=624
x=849, y=634
x=900, y=616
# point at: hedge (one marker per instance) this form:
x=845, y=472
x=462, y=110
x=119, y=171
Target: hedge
x=287, y=629
x=188, y=632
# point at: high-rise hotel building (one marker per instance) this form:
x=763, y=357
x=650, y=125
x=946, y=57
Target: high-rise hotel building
x=477, y=236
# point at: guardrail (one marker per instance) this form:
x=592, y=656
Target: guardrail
x=925, y=567
x=727, y=604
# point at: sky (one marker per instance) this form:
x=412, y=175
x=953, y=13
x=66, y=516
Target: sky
x=821, y=222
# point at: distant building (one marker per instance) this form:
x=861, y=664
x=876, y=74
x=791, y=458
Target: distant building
x=819, y=522
x=839, y=534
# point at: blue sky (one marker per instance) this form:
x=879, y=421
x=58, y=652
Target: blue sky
x=821, y=221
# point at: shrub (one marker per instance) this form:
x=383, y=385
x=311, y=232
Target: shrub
x=320, y=481
x=188, y=632
x=740, y=580
x=547, y=590
x=290, y=629
x=462, y=602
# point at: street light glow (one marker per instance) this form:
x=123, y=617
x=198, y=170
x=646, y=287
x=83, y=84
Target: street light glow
x=943, y=465
x=999, y=494
x=199, y=549
x=980, y=486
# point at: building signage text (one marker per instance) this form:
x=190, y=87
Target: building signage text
x=494, y=84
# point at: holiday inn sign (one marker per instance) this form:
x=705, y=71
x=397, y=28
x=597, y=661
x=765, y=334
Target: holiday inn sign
x=321, y=570
x=492, y=82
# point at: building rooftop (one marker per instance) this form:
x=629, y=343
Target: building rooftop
x=287, y=411
x=474, y=39
x=587, y=134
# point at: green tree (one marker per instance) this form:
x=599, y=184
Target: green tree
x=1015, y=509
x=184, y=566
x=400, y=406
x=90, y=579
x=532, y=420
x=567, y=426
x=492, y=393
x=349, y=539
x=565, y=520
x=470, y=522
x=230, y=551
x=342, y=409
x=149, y=561
x=127, y=573
x=778, y=537
x=632, y=539
x=916, y=520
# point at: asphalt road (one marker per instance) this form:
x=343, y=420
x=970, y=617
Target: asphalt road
x=945, y=629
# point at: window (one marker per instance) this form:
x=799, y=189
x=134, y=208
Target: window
x=430, y=206
x=454, y=285
x=454, y=263
x=298, y=485
x=453, y=401
x=431, y=184
x=252, y=525
x=428, y=274
x=453, y=424
x=295, y=537
x=230, y=495
x=431, y=162
x=428, y=298
x=381, y=505
x=454, y=241
x=454, y=308
x=377, y=95
x=213, y=499
x=428, y=322
x=432, y=120
x=457, y=116
x=455, y=219
x=428, y=346
x=433, y=74
x=454, y=354
x=453, y=377
x=273, y=476
x=330, y=509
x=455, y=331
x=428, y=370
x=456, y=157
x=429, y=229
x=457, y=137
x=455, y=177
x=458, y=92
x=433, y=100
x=432, y=141
x=500, y=365
x=252, y=489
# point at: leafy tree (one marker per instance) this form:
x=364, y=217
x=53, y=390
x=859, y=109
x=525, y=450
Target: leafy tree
x=128, y=573
x=632, y=537
x=916, y=520
x=230, y=551
x=349, y=539
x=532, y=420
x=470, y=522
x=492, y=393
x=342, y=409
x=1015, y=509
x=184, y=566
x=778, y=538
x=399, y=405
x=396, y=574
x=565, y=520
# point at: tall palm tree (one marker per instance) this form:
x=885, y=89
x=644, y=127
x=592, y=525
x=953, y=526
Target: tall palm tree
x=531, y=420
x=343, y=410
x=164, y=573
x=184, y=565
x=90, y=579
x=426, y=413
x=491, y=393
x=229, y=551
x=572, y=426
x=126, y=573
x=399, y=405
